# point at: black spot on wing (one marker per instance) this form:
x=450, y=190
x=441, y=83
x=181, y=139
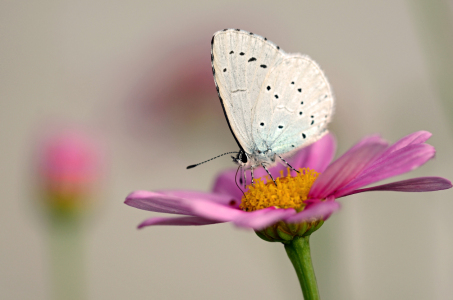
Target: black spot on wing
x=252, y=59
x=262, y=124
x=312, y=122
x=263, y=66
x=276, y=96
x=303, y=135
x=280, y=126
x=300, y=90
x=238, y=30
x=300, y=113
x=268, y=88
x=241, y=54
x=231, y=52
x=224, y=70
x=278, y=47
x=292, y=82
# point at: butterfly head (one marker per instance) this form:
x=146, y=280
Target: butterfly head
x=255, y=159
x=241, y=159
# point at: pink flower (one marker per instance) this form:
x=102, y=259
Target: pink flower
x=69, y=164
x=369, y=161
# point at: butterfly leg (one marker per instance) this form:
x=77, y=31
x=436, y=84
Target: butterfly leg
x=244, y=173
x=251, y=170
x=287, y=164
x=268, y=173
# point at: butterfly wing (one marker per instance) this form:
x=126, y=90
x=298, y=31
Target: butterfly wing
x=240, y=63
x=294, y=106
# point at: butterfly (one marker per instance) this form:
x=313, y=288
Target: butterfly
x=274, y=103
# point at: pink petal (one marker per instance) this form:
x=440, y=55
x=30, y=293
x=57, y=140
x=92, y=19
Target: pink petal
x=396, y=163
x=421, y=184
x=411, y=139
x=225, y=185
x=214, y=211
x=262, y=218
x=214, y=197
x=184, y=221
x=158, y=202
x=347, y=167
x=321, y=210
x=317, y=156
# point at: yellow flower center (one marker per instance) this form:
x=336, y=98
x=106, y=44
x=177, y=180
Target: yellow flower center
x=290, y=192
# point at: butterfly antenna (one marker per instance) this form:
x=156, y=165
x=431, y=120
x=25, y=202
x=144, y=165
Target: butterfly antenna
x=288, y=164
x=193, y=166
x=235, y=180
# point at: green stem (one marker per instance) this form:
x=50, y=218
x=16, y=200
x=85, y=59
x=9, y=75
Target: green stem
x=298, y=251
x=66, y=258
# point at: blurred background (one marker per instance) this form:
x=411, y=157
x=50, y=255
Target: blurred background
x=135, y=77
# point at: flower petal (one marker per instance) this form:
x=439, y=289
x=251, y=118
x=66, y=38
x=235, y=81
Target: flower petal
x=197, y=195
x=415, y=138
x=158, y=202
x=317, y=156
x=321, y=210
x=214, y=211
x=225, y=185
x=184, y=221
x=421, y=184
x=396, y=163
x=262, y=218
x=347, y=167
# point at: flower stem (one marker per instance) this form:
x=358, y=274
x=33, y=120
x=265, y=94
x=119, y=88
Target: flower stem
x=66, y=258
x=298, y=251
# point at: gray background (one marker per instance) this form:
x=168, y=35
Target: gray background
x=96, y=62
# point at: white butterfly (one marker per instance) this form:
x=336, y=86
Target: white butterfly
x=275, y=103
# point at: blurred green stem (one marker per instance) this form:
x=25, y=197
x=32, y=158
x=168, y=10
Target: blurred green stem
x=66, y=258
x=435, y=25
x=298, y=251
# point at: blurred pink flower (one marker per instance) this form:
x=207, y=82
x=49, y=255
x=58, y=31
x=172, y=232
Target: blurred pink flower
x=369, y=161
x=178, y=87
x=69, y=165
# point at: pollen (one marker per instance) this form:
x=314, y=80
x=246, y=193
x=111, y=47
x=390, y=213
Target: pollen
x=290, y=192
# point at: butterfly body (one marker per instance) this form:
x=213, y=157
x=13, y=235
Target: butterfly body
x=274, y=103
